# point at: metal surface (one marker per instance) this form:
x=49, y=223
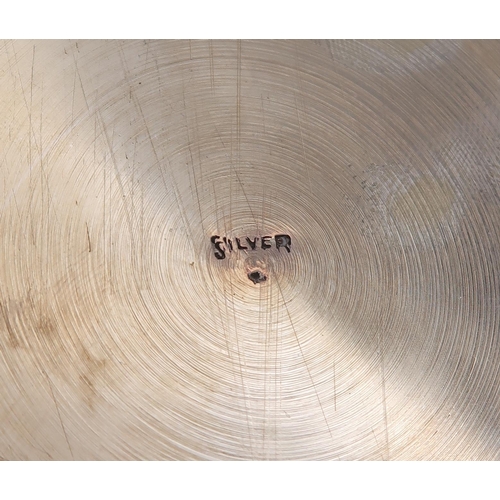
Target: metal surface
x=371, y=333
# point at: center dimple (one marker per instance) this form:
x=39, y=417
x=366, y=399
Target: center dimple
x=256, y=277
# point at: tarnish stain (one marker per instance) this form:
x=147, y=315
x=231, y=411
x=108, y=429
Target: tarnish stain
x=46, y=327
x=92, y=374
x=8, y=313
x=16, y=313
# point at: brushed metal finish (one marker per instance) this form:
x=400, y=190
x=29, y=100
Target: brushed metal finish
x=375, y=338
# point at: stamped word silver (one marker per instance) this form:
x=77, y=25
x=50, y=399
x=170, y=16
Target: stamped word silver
x=226, y=245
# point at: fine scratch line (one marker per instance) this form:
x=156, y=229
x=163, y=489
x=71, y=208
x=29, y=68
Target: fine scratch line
x=88, y=237
x=59, y=415
x=384, y=397
x=304, y=359
x=334, y=389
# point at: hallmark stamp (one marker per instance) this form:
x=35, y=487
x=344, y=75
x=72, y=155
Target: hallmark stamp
x=225, y=245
